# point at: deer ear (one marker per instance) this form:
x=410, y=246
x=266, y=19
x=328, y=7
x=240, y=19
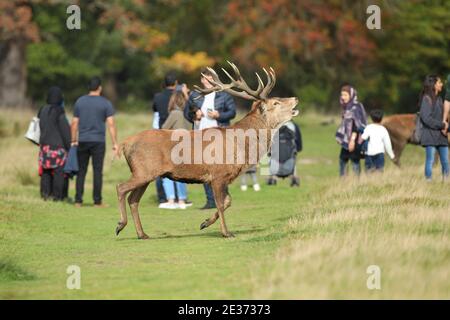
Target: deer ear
x=262, y=106
x=259, y=105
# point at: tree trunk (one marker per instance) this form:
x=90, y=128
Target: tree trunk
x=110, y=88
x=13, y=74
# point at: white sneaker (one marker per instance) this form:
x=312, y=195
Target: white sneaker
x=244, y=188
x=256, y=187
x=168, y=205
x=182, y=206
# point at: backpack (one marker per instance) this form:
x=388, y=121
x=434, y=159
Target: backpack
x=286, y=140
x=283, y=153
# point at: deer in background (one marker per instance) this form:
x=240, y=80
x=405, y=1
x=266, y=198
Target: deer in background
x=148, y=153
x=401, y=129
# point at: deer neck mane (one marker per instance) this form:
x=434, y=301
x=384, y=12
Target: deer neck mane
x=252, y=120
x=255, y=120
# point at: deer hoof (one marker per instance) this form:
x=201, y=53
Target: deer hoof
x=204, y=224
x=228, y=235
x=143, y=237
x=120, y=227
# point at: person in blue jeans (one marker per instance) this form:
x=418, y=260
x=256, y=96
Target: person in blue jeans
x=434, y=132
x=169, y=189
x=175, y=121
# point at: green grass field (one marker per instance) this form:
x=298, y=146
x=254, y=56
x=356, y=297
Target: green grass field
x=315, y=241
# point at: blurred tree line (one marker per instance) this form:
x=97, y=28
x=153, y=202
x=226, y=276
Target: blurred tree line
x=315, y=46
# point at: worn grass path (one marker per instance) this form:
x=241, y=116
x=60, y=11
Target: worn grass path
x=39, y=240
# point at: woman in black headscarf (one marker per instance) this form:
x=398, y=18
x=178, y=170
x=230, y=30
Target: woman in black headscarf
x=54, y=144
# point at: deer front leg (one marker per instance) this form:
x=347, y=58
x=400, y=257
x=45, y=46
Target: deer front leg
x=397, y=147
x=215, y=216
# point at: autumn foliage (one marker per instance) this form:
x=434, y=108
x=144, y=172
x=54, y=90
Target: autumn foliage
x=314, y=45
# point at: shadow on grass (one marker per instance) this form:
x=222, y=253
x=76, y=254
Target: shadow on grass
x=200, y=234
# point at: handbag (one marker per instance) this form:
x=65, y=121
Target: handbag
x=34, y=131
x=417, y=130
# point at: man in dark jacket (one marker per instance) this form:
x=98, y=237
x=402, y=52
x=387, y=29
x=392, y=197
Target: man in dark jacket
x=214, y=109
x=224, y=105
x=54, y=142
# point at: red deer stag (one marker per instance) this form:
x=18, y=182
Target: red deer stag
x=149, y=153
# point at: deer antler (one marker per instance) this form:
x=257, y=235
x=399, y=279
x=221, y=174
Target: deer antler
x=261, y=93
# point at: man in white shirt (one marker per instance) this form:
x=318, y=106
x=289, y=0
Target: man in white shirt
x=378, y=143
x=207, y=120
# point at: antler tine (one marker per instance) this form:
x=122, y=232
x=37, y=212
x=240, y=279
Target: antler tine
x=216, y=80
x=242, y=84
x=274, y=78
x=235, y=69
x=260, y=84
x=204, y=90
x=229, y=76
x=264, y=93
x=271, y=79
x=239, y=83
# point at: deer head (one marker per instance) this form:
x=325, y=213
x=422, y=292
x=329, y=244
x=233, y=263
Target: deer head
x=275, y=111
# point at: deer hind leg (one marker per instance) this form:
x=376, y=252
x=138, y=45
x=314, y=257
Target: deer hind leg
x=133, y=201
x=215, y=216
x=122, y=190
x=220, y=194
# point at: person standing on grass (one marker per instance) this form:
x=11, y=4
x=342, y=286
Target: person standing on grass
x=174, y=121
x=90, y=113
x=378, y=143
x=215, y=109
x=160, y=114
x=354, y=120
x=434, y=132
x=54, y=144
